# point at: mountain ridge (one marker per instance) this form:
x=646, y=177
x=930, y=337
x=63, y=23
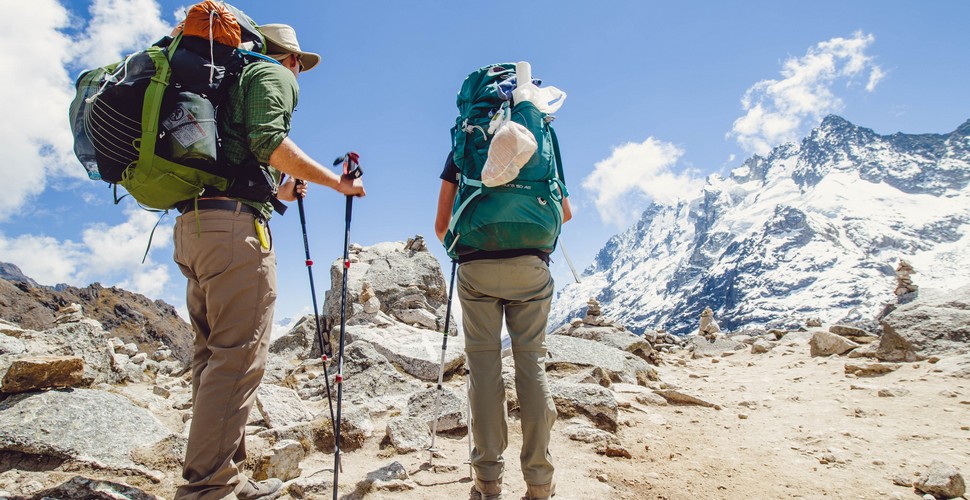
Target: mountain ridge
x=811, y=229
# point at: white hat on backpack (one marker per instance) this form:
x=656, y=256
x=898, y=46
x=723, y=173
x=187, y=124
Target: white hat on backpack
x=281, y=39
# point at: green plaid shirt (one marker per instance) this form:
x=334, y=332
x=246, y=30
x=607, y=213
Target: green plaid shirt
x=259, y=109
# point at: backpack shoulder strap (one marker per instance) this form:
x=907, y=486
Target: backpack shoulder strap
x=559, y=170
x=153, y=99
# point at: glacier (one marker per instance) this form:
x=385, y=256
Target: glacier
x=812, y=230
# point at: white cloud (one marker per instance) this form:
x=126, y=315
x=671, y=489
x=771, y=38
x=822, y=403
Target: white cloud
x=35, y=56
x=38, y=53
x=118, y=27
x=34, y=134
x=638, y=170
x=110, y=254
x=777, y=110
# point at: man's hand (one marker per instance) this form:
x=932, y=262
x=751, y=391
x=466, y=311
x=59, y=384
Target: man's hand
x=351, y=187
x=291, y=188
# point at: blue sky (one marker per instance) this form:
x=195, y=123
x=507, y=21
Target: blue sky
x=660, y=95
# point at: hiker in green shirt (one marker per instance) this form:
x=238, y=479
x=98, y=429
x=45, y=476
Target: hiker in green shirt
x=224, y=248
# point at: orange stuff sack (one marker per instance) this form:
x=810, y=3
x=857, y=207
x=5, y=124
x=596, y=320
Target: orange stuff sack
x=225, y=28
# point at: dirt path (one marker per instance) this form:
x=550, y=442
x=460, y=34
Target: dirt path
x=789, y=426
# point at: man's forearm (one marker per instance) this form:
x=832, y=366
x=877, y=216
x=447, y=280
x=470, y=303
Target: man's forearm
x=293, y=161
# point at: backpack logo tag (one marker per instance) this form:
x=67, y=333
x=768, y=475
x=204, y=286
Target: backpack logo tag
x=184, y=127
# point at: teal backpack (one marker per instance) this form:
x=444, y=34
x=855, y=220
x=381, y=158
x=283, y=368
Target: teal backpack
x=525, y=213
x=148, y=122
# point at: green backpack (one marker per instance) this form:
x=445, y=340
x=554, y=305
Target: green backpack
x=149, y=124
x=523, y=214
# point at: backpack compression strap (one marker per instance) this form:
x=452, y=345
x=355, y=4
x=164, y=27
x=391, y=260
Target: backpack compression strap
x=554, y=187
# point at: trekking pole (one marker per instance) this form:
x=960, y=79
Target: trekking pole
x=351, y=169
x=325, y=350
x=441, y=366
x=468, y=411
x=568, y=261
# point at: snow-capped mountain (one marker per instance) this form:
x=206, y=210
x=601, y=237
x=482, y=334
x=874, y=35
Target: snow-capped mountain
x=812, y=230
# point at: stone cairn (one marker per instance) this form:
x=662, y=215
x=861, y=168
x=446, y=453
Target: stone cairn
x=905, y=288
x=594, y=315
x=708, y=327
x=416, y=244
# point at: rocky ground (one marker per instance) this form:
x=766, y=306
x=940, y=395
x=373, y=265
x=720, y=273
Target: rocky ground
x=826, y=412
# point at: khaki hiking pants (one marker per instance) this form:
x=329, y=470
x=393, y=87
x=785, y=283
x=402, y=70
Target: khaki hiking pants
x=520, y=288
x=230, y=295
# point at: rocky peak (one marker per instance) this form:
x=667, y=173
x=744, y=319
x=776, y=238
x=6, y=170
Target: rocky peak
x=129, y=316
x=820, y=230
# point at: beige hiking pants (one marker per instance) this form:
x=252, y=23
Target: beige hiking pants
x=230, y=295
x=520, y=288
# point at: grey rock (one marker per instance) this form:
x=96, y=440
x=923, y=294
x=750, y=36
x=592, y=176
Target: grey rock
x=392, y=477
x=587, y=400
x=281, y=461
x=761, y=346
x=825, y=343
x=298, y=343
x=702, y=347
x=355, y=427
x=586, y=434
x=869, y=369
x=416, y=351
x=85, y=339
x=82, y=488
x=317, y=485
x=941, y=480
x=451, y=416
x=165, y=455
x=61, y=423
x=615, y=337
x=370, y=380
x=934, y=324
x=280, y=406
x=11, y=345
x=569, y=353
x=394, y=274
x=417, y=317
x=408, y=434
x=301, y=432
x=678, y=398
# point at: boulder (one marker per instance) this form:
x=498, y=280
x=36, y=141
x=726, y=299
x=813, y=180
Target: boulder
x=391, y=477
x=942, y=481
x=370, y=380
x=43, y=372
x=82, y=488
x=416, y=351
x=569, y=354
x=587, y=400
x=678, y=398
x=615, y=337
x=280, y=406
x=451, y=414
x=62, y=423
x=399, y=279
x=934, y=324
x=281, y=461
x=408, y=434
x=355, y=427
x=702, y=347
x=825, y=343
x=85, y=339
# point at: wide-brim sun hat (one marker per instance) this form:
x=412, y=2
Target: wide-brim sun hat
x=281, y=39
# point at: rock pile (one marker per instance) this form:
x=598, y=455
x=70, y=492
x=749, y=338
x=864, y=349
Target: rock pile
x=708, y=327
x=74, y=380
x=905, y=288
